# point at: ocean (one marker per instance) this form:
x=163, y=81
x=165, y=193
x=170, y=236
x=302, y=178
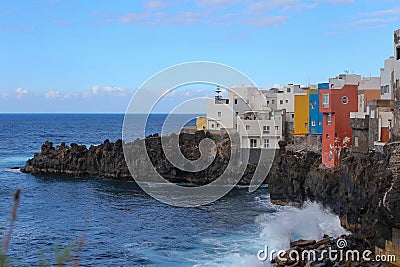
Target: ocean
x=120, y=225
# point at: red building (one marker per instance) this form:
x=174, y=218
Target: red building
x=336, y=105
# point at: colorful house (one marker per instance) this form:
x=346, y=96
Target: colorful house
x=336, y=104
x=315, y=113
x=301, y=114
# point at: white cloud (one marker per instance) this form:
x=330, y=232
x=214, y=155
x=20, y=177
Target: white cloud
x=53, y=94
x=111, y=90
x=21, y=92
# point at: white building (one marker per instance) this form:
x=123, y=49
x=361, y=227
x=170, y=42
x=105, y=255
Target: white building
x=261, y=128
x=246, y=110
x=387, y=72
x=342, y=79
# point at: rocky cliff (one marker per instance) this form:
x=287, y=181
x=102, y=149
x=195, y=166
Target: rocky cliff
x=364, y=190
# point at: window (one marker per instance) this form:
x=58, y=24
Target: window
x=267, y=102
x=276, y=128
x=273, y=102
x=237, y=113
x=313, y=123
x=218, y=125
x=281, y=102
x=312, y=106
x=398, y=53
x=329, y=119
x=384, y=89
x=287, y=101
x=345, y=100
x=212, y=125
x=236, y=101
x=266, y=143
x=247, y=127
x=293, y=116
x=253, y=143
x=288, y=90
x=325, y=100
x=265, y=129
x=219, y=113
x=319, y=123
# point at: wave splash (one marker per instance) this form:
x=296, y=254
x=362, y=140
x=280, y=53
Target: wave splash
x=279, y=228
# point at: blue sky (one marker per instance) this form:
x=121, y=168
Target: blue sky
x=90, y=56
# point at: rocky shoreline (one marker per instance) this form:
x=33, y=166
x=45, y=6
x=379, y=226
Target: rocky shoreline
x=364, y=190
x=107, y=159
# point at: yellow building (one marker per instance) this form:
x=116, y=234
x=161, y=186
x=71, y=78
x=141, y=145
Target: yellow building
x=301, y=114
x=201, y=123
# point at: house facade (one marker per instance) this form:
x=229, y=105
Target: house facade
x=336, y=104
x=247, y=111
x=315, y=122
x=302, y=113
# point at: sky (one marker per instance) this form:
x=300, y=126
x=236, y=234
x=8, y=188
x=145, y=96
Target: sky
x=68, y=56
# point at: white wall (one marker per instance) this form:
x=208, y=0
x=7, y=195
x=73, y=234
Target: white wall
x=274, y=131
x=224, y=119
x=386, y=77
x=342, y=79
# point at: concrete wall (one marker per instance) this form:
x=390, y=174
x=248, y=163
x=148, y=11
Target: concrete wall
x=360, y=135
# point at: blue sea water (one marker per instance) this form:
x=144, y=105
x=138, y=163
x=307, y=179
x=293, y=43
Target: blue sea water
x=117, y=222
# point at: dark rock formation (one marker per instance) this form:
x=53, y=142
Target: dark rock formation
x=307, y=253
x=364, y=190
x=107, y=159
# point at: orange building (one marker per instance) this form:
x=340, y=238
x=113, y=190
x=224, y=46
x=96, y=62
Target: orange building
x=336, y=105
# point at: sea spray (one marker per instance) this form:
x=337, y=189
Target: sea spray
x=311, y=221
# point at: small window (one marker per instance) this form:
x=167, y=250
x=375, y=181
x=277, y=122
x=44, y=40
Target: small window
x=266, y=143
x=329, y=119
x=293, y=116
x=312, y=106
x=236, y=101
x=345, y=100
x=273, y=102
x=313, y=123
x=247, y=127
x=276, y=128
x=265, y=129
x=287, y=101
x=288, y=90
x=219, y=114
x=253, y=143
x=356, y=141
x=218, y=125
x=281, y=102
x=212, y=125
x=319, y=123
x=267, y=102
x=325, y=100
x=237, y=113
x=398, y=53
